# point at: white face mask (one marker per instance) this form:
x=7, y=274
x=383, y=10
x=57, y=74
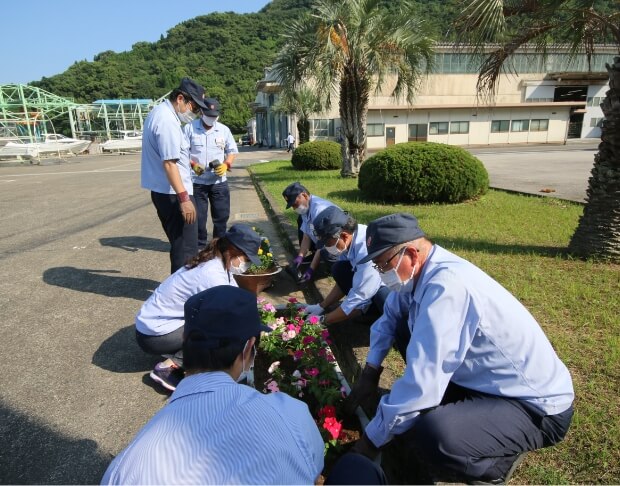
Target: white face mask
x=392, y=280
x=242, y=268
x=209, y=120
x=301, y=209
x=186, y=117
x=248, y=374
x=334, y=250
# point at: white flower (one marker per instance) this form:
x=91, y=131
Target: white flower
x=297, y=374
x=274, y=366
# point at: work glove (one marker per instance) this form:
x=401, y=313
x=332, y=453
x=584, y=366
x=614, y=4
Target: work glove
x=365, y=392
x=297, y=260
x=307, y=276
x=314, y=310
x=365, y=447
x=220, y=170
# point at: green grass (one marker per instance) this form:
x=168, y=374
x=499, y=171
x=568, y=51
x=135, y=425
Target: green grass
x=520, y=241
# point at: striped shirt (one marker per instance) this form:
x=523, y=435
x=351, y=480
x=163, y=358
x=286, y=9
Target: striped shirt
x=215, y=431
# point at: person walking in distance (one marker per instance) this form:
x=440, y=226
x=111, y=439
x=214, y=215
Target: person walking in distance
x=290, y=142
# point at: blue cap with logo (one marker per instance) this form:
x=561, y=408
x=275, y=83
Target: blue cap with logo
x=292, y=191
x=246, y=239
x=391, y=230
x=222, y=314
x=213, y=107
x=329, y=222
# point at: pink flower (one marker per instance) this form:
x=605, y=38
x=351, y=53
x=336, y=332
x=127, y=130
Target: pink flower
x=308, y=340
x=343, y=392
x=280, y=321
x=312, y=372
x=269, y=307
x=313, y=320
x=272, y=386
x=260, y=300
x=297, y=355
x=301, y=383
x=274, y=366
x=288, y=335
x=324, y=382
x=324, y=334
x=330, y=358
x=292, y=300
x=333, y=426
x=290, y=327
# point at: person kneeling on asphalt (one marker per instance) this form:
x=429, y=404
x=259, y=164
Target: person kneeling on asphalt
x=345, y=239
x=482, y=383
x=307, y=207
x=159, y=323
x=213, y=429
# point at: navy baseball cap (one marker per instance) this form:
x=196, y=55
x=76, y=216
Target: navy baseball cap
x=389, y=231
x=246, y=239
x=194, y=90
x=292, y=191
x=329, y=222
x=213, y=107
x=222, y=313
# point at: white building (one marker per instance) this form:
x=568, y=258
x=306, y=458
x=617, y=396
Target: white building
x=545, y=101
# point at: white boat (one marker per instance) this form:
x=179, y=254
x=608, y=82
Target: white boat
x=54, y=144
x=131, y=142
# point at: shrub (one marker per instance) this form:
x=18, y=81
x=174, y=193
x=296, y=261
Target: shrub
x=423, y=172
x=317, y=155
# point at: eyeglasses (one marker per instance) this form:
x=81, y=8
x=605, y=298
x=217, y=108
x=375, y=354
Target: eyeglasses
x=192, y=106
x=381, y=268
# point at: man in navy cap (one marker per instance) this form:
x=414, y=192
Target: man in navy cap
x=166, y=169
x=482, y=383
x=214, y=430
x=212, y=152
x=345, y=239
x=308, y=207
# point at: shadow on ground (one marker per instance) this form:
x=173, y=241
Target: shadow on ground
x=97, y=282
x=120, y=353
x=36, y=454
x=135, y=243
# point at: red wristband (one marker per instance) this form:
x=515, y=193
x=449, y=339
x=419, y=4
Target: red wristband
x=183, y=196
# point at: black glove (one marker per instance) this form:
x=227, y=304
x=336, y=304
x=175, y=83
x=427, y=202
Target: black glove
x=365, y=391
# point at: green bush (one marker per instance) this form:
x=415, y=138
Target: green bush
x=423, y=172
x=317, y=155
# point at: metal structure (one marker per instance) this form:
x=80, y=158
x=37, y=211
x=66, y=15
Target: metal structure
x=110, y=119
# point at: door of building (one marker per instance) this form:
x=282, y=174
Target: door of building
x=390, y=136
x=574, y=125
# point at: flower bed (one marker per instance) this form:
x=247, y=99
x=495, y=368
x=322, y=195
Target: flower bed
x=295, y=358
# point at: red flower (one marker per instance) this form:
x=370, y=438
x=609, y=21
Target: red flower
x=333, y=426
x=327, y=411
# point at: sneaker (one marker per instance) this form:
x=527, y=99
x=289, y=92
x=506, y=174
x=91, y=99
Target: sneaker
x=167, y=376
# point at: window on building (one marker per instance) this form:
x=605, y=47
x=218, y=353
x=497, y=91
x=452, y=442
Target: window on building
x=596, y=122
x=438, y=128
x=459, y=127
x=595, y=100
x=520, y=125
x=418, y=132
x=500, y=126
x=375, y=129
x=539, y=125
x=539, y=100
x=321, y=128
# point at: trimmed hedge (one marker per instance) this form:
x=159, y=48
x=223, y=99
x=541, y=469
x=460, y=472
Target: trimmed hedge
x=425, y=172
x=317, y=155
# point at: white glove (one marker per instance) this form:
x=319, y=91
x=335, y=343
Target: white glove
x=314, y=310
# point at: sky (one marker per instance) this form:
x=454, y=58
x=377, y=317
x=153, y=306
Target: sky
x=44, y=37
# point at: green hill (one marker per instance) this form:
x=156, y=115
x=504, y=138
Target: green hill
x=225, y=52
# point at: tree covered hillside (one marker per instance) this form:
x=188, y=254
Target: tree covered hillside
x=225, y=52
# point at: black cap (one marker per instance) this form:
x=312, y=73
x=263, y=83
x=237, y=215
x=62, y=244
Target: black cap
x=389, y=231
x=194, y=90
x=329, y=222
x=246, y=239
x=291, y=192
x=223, y=313
x=212, y=107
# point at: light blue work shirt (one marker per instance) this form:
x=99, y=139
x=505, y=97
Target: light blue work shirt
x=216, y=431
x=315, y=206
x=163, y=312
x=163, y=139
x=209, y=145
x=366, y=279
x=468, y=329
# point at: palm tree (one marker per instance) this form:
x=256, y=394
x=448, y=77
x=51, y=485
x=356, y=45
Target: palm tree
x=349, y=48
x=303, y=103
x=583, y=25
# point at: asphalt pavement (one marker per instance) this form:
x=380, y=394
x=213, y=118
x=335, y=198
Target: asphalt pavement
x=80, y=249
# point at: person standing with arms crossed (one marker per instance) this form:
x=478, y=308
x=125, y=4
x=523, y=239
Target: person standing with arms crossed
x=212, y=152
x=165, y=169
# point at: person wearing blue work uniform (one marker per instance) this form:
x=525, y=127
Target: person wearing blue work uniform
x=165, y=168
x=308, y=207
x=482, y=383
x=212, y=152
x=214, y=430
x=345, y=239
x=159, y=323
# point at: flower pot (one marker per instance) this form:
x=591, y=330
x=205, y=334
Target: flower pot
x=257, y=282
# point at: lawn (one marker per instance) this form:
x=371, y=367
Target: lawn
x=520, y=241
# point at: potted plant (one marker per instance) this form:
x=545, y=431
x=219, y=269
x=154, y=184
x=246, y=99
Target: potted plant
x=258, y=277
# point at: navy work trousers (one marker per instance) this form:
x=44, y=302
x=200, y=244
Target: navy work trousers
x=183, y=237
x=477, y=436
x=342, y=271
x=218, y=195
x=169, y=345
